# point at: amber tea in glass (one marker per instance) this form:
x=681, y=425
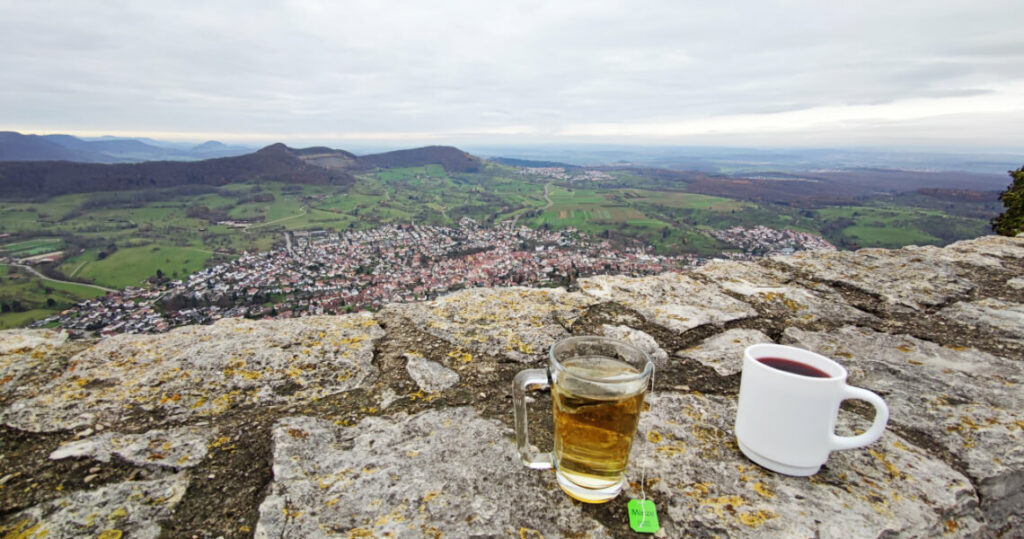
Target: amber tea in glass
x=597, y=391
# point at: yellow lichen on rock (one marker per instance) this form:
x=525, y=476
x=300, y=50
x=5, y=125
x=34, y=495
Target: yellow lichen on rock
x=894, y=472
x=722, y=504
x=23, y=530
x=757, y=518
x=763, y=490
x=461, y=355
x=672, y=449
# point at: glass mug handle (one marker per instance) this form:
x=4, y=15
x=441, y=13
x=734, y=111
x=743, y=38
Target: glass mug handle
x=528, y=380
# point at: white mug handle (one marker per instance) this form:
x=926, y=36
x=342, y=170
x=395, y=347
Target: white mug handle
x=877, y=427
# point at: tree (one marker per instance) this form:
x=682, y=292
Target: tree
x=1011, y=221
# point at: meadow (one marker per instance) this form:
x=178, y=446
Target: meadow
x=36, y=246
x=131, y=266
x=25, y=298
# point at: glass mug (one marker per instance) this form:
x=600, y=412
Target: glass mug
x=597, y=390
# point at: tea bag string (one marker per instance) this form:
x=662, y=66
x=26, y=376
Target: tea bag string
x=647, y=454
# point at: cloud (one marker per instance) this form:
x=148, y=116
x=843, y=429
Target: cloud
x=510, y=69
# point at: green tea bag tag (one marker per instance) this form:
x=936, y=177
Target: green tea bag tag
x=643, y=517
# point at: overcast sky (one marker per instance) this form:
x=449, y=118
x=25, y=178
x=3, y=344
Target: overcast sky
x=741, y=73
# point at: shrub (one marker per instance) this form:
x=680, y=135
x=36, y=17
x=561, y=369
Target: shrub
x=1011, y=221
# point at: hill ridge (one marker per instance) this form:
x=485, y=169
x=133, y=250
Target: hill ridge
x=277, y=162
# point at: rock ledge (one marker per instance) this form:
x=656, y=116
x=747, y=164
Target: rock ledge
x=398, y=423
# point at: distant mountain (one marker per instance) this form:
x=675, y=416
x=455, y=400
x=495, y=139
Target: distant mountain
x=210, y=145
x=274, y=163
x=513, y=162
x=452, y=159
x=277, y=162
x=127, y=149
x=17, y=147
x=213, y=148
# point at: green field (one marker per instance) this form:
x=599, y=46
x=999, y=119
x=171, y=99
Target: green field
x=25, y=298
x=35, y=246
x=414, y=175
x=131, y=266
x=882, y=236
x=891, y=226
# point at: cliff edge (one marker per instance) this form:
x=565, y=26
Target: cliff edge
x=399, y=423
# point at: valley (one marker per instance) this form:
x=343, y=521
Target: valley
x=145, y=238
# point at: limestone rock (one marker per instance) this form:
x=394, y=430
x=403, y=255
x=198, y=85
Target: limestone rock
x=178, y=448
x=701, y=481
x=908, y=278
x=641, y=340
x=407, y=475
x=517, y=323
x=28, y=357
x=203, y=371
x=724, y=352
x=430, y=376
x=129, y=509
x=1000, y=317
x=968, y=402
x=675, y=301
x=800, y=304
x=22, y=340
x=983, y=251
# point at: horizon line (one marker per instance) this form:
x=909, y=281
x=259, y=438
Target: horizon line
x=487, y=141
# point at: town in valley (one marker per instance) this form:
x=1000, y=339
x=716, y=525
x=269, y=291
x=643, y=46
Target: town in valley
x=324, y=272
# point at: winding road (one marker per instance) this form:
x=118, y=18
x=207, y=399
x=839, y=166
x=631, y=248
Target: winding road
x=303, y=211
x=33, y=271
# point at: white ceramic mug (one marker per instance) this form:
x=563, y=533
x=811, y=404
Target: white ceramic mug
x=786, y=421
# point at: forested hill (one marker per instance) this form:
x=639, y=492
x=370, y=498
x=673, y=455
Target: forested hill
x=452, y=159
x=43, y=179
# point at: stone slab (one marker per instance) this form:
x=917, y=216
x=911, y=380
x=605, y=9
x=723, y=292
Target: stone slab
x=908, y=278
x=1004, y=319
x=439, y=473
x=176, y=449
x=26, y=356
x=517, y=323
x=782, y=294
x=128, y=509
x=986, y=251
x=967, y=402
x=699, y=479
x=203, y=371
x=724, y=351
x=23, y=340
x=430, y=376
x=672, y=300
x=639, y=339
